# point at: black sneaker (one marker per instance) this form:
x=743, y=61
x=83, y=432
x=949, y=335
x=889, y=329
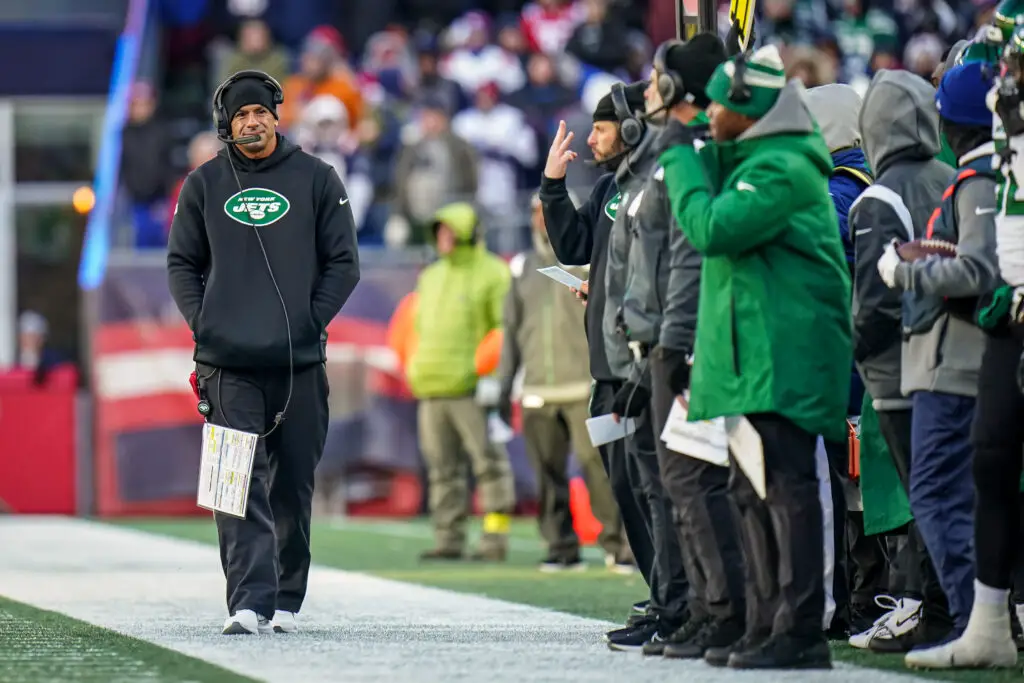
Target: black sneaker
x=718, y=633
x=784, y=652
x=719, y=656
x=657, y=646
x=634, y=637
x=555, y=563
x=638, y=612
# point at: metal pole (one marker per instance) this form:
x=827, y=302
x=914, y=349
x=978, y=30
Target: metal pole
x=707, y=12
x=8, y=240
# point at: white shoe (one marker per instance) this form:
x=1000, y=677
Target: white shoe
x=245, y=622
x=284, y=622
x=902, y=616
x=987, y=643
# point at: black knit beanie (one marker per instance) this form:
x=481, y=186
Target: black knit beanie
x=248, y=91
x=695, y=61
x=605, y=110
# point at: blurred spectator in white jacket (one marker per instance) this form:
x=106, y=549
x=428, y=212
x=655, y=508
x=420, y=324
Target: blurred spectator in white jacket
x=324, y=131
x=474, y=62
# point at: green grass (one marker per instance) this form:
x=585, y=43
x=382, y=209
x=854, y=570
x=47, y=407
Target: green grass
x=389, y=549
x=37, y=646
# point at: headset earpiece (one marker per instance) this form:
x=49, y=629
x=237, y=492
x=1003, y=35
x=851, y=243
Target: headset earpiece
x=739, y=91
x=631, y=129
x=220, y=115
x=670, y=84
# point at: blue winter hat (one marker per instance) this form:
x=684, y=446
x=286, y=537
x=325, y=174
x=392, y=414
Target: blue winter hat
x=961, y=95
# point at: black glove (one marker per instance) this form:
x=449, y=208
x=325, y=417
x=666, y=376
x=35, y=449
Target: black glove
x=674, y=133
x=1008, y=101
x=631, y=400
x=677, y=370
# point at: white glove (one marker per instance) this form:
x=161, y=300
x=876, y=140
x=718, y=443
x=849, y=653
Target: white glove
x=887, y=265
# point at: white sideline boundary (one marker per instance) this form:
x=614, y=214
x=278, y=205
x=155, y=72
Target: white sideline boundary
x=355, y=628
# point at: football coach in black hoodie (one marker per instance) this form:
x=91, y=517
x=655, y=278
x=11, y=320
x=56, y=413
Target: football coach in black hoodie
x=261, y=257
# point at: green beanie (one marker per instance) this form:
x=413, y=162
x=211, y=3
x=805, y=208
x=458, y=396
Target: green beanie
x=765, y=77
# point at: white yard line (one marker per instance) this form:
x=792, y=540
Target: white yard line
x=356, y=628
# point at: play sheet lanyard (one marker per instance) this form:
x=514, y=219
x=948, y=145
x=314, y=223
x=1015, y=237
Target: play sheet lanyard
x=712, y=440
x=225, y=472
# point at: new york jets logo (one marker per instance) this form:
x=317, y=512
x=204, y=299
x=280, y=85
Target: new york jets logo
x=257, y=206
x=612, y=207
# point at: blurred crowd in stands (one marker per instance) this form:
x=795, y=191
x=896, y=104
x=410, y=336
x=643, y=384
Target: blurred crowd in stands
x=419, y=103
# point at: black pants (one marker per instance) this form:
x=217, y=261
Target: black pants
x=710, y=539
x=782, y=536
x=633, y=472
x=921, y=582
x=998, y=435
x=266, y=556
x=868, y=564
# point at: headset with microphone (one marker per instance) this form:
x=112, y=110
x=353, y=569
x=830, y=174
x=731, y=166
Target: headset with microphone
x=222, y=121
x=631, y=128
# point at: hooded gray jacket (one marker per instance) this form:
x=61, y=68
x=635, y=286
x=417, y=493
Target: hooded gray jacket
x=900, y=136
x=947, y=358
x=631, y=178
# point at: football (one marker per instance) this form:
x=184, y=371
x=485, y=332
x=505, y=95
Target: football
x=919, y=249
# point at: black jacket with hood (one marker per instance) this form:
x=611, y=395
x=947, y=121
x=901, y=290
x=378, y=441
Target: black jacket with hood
x=580, y=237
x=217, y=266
x=899, y=128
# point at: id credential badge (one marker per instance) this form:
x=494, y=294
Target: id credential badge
x=225, y=471
x=742, y=12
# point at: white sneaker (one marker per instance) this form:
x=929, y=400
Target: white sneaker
x=245, y=622
x=902, y=616
x=987, y=643
x=284, y=622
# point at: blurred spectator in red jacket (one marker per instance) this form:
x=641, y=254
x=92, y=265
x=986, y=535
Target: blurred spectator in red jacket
x=548, y=24
x=201, y=149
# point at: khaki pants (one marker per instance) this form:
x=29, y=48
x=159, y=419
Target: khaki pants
x=450, y=429
x=549, y=431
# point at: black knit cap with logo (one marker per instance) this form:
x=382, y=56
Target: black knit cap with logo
x=245, y=92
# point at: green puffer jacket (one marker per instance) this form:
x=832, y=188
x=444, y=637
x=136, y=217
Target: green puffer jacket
x=774, y=322
x=460, y=300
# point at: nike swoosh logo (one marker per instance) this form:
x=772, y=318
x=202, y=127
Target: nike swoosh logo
x=864, y=231
x=981, y=212
x=743, y=186
x=343, y=201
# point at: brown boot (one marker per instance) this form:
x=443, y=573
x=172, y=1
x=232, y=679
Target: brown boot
x=490, y=554
x=440, y=554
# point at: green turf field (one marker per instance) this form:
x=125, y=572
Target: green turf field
x=37, y=646
x=390, y=548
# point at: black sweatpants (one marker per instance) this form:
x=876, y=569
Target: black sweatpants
x=998, y=436
x=782, y=536
x=633, y=473
x=710, y=539
x=266, y=556
x=921, y=583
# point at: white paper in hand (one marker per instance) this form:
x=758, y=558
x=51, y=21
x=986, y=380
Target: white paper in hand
x=745, y=444
x=705, y=440
x=604, y=429
x=225, y=471
x=563, y=276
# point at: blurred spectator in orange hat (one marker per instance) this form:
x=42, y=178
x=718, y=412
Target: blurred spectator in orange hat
x=323, y=72
x=256, y=50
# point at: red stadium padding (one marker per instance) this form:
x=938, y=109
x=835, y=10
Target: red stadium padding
x=37, y=446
